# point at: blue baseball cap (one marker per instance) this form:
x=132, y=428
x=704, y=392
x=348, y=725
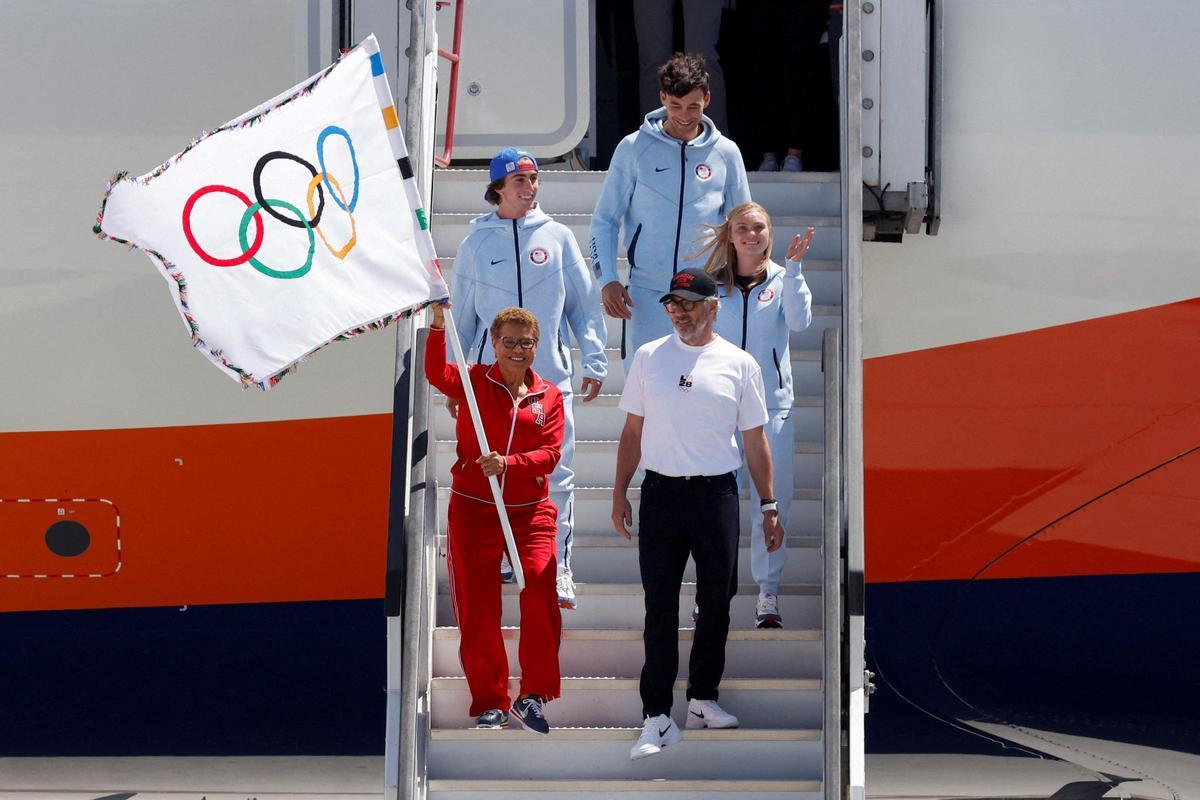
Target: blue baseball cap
x=510, y=160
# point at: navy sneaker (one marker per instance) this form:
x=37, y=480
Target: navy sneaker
x=494, y=718
x=528, y=711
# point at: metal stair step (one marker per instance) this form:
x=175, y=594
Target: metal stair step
x=622, y=605
x=807, y=378
x=602, y=418
x=824, y=276
x=500, y=788
x=768, y=653
x=571, y=191
x=595, y=559
x=449, y=230
x=594, y=460
x=603, y=753
x=593, y=509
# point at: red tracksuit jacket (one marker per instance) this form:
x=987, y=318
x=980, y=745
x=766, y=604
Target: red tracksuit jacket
x=529, y=436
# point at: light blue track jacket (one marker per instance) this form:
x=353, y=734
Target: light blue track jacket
x=532, y=262
x=664, y=191
x=761, y=320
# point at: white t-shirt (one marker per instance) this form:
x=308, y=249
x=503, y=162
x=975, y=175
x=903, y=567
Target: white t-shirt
x=693, y=399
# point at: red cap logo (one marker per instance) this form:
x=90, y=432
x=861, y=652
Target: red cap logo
x=682, y=280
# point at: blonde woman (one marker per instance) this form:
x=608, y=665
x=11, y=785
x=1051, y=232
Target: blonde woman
x=761, y=304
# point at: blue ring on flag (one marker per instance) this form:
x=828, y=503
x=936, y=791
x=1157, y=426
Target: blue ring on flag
x=335, y=130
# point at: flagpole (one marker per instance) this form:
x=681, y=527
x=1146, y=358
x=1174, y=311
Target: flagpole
x=424, y=242
x=468, y=390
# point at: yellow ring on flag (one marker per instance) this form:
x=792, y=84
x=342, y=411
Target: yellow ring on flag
x=312, y=188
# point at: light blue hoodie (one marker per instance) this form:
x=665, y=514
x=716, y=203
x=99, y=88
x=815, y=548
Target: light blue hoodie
x=760, y=321
x=664, y=191
x=532, y=262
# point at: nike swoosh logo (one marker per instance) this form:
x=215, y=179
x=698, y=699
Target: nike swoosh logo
x=663, y=731
x=661, y=169
x=700, y=715
x=497, y=261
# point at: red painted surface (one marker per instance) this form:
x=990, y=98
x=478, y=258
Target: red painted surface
x=257, y=512
x=1069, y=446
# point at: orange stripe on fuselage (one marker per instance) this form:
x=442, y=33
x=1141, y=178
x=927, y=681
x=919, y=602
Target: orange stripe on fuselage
x=256, y=512
x=1058, y=452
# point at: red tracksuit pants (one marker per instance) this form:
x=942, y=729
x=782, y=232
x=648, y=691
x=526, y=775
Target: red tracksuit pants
x=476, y=544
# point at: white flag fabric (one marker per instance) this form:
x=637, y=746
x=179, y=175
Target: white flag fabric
x=294, y=225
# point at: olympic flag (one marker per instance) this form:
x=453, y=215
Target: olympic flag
x=294, y=225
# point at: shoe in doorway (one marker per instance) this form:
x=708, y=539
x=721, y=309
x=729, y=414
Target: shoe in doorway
x=506, y=571
x=528, y=711
x=695, y=614
x=493, y=718
x=766, y=613
x=657, y=732
x=566, y=592
x=792, y=164
x=770, y=163
x=707, y=714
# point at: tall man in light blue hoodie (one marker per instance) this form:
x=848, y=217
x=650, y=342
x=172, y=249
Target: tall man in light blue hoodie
x=518, y=256
x=666, y=182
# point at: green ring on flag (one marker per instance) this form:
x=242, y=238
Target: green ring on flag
x=263, y=268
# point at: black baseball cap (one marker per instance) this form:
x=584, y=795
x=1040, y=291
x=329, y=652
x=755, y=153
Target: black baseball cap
x=691, y=284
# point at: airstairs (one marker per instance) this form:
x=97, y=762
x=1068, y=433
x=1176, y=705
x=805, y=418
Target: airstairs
x=775, y=680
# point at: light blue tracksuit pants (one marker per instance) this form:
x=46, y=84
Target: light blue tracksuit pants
x=766, y=568
x=562, y=482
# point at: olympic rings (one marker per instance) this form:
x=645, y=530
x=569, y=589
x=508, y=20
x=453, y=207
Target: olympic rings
x=335, y=130
x=258, y=195
x=252, y=211
x=320, y=182
x=313, y=186
x=187, y=228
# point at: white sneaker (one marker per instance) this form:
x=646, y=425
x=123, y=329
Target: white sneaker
x=770, y=163
x=792, y=164
x=506, y=571
x=566, y=592
x=707, y=714
x=657, y=732
x=766, y=613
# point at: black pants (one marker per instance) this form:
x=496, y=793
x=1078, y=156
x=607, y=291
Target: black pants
x=679, y=517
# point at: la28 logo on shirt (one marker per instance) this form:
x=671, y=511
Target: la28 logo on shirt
x=538, y=411
x=539, y=256
x=703, y=171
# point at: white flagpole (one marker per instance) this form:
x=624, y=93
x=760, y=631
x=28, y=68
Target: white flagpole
x=424, y=244
x=469, y=391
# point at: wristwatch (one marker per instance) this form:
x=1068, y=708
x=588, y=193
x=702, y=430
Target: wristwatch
x=769, y=505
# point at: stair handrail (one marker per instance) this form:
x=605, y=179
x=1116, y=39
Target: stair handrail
x=832, y=580
x=408, y=599
x=454, y=57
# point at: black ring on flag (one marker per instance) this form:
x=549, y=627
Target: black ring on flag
x=258, y=194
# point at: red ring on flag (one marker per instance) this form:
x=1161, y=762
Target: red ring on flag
x=187, y=227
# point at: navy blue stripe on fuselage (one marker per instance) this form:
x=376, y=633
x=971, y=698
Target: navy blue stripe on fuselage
x=255, y=679
x=1097, y=656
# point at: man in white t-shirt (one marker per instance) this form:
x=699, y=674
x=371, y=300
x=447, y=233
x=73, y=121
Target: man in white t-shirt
x=685, y=395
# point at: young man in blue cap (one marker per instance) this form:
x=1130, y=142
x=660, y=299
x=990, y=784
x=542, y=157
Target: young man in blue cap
x=666, y=183
x=518, y=256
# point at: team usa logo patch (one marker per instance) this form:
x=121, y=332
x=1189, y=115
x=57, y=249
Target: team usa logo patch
x=539, y=256
x=685, y=383
x=539, y=412
x=703, y=171
x=766, y=295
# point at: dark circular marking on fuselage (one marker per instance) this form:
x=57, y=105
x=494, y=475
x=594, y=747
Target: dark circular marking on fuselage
x=68, y=539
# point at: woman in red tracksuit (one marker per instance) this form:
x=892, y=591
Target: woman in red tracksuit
x=523, y=419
